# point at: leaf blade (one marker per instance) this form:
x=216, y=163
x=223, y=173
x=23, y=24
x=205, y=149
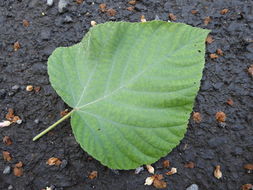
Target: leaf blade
x=146, y=92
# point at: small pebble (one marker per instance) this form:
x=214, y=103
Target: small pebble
x=193, y=187
x=10, y=187
x=64, y=163
x=19, y=121
x=222, y=124
x=139, y=170
x=52, y=187
x=68, y=19
x=62, y=5
x=2, y=93
x=36, y=121
x=116, y=172
x=7, y=170
x=50, y=2
x=11, y=94
x=15, y=87
x=45, y=34
x=157, y=17
x=29, y=88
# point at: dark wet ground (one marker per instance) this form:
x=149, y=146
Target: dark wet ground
x=206, y=144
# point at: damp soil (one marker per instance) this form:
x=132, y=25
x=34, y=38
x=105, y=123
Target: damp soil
x=207, y=143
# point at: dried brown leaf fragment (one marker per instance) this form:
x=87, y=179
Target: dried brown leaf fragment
x=220, y=116
x=7, y=140
x=25, y=23
x=79, y=2
x=194, y=11
x=189, y=165
x=172, y=17
x=207, y=20
x=250, y=70
x=102, y=7
x=93, y=175
x=16, y=46
x=209, y=39
x=224, y=11
x=197, y=117
x=172, y=171
x=53, y=161
x=166, y=164
x=16, y=119
x=10, y=115
x=6, y=156
x=133, y=2
x=19, y=164
x=230, y=102
x=18, y=169
x=130, y=8
x=12, y=118
x=111, y=12
x=219, y=52
x=247, y=186
x=248, y=167
x=64, y=112
x=213, y=56
x=159, y=183
x=37, y=88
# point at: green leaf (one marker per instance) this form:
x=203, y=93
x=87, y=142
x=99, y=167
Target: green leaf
x=132, y=87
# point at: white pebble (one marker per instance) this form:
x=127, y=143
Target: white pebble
x=19, y=121
x=50, y=2
x=7, y=170
x=138, y=170
x=61, y=5
x=193, y=187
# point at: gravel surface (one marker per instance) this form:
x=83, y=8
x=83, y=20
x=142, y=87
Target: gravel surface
x=40, y=28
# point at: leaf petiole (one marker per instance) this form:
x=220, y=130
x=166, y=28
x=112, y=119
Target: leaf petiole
x=53, y=126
